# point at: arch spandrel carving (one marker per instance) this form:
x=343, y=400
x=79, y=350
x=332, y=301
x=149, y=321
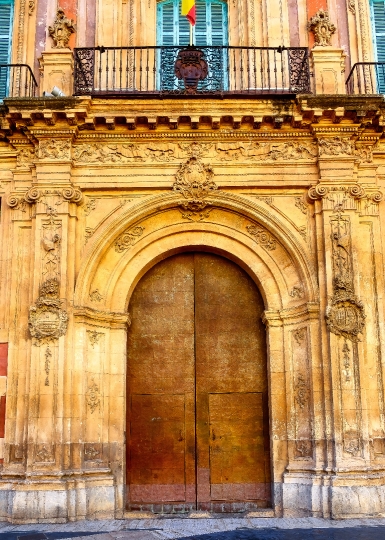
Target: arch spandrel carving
x=117, y=255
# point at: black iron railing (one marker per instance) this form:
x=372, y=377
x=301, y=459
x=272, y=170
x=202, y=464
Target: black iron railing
x=366, y=78
x=138, y=71
x=17, y=80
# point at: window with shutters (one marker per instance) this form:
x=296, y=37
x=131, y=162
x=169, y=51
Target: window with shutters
x=378, y=22
x=210, y=31
x=6, y=14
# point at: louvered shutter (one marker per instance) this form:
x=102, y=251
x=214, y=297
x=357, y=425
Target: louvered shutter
x=378, y=16
x=210, y=29
x=6, y=10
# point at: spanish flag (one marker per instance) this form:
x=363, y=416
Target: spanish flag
x=188, y=9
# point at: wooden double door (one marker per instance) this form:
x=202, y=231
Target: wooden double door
x=197, y=414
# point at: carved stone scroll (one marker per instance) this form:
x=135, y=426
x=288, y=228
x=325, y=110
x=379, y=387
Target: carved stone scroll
x=128, y=239
x=262, y=237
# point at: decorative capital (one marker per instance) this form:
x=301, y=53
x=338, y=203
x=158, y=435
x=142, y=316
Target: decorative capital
x=322, y=28
x=33, y=195
x=61, y=30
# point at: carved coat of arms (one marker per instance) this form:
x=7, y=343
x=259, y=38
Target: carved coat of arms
x=194, y=181
x=47, y=319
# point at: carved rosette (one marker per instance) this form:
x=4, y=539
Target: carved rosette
x=47, y=320
x=262, y=237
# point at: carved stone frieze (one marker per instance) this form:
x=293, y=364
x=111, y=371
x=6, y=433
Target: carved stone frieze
x=47, y=320
x=164, y=152
x=55, y=149
x=128, y=239
x=194, y=181
x=322, y=28
x=335, y=146
x=61, y=30
x=262, y=237
x=93, y=396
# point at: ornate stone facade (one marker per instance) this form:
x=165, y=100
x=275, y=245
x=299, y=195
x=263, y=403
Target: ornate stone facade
x=95, y=192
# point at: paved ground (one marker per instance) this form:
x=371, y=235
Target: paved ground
x=201, y=529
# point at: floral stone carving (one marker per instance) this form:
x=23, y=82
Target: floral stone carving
x=47, y=321
x=322, y=28
x=262, y=237
x=194, y=181
x=61, y=30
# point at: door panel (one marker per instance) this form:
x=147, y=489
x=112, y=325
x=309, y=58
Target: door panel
x=231, y=382
x=161, y=389
x=197, y=389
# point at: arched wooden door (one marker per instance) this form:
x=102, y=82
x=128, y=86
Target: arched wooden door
x=197, y=414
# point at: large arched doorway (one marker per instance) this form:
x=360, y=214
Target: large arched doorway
x=197, y=413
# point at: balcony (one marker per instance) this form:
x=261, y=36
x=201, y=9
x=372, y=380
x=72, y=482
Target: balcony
x=230, y=71
x=366, y=78
x=17, y=80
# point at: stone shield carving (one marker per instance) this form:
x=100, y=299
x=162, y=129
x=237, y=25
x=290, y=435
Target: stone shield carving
x=47, y=320
x=345, y=317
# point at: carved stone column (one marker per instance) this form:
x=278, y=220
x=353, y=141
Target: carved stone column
x=346, y=217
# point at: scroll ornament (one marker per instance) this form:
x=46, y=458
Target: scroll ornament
x=322, y=28
x=47, y=320
x=61, y=30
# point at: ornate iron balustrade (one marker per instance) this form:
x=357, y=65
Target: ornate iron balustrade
x=366, y=78
x=139, y=71
x=17, y=80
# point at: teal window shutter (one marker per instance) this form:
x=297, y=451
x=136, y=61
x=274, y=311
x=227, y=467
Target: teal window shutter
x=6, y=13
x=211, y=27
x=378, y=14
x=378, y=22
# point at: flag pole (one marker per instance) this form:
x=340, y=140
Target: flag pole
x=191, y=34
